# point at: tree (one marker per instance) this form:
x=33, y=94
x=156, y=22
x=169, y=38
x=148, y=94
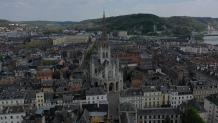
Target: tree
x=167, y=120
x=1, y=57
x=191, y=116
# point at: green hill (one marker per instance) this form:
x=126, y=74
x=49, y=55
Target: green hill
x=144, y=24
x=134, y=24
x=3, y=22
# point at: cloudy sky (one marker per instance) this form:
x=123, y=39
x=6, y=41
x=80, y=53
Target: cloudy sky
x=76, y=10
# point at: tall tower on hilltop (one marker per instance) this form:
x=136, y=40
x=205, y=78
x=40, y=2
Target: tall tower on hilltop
x=104, y=48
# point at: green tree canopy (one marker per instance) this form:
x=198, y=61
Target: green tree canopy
x=191, y=116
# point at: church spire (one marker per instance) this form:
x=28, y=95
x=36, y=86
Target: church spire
x=103, y=15
x=104, y=29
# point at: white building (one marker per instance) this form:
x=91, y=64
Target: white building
x=11, y=99
x=197, y=50
x=96, y=96
x=122, y=34
x=40, y=99
x=12, y=114
x=176, y=98
x=211, y=107
x=11, y=102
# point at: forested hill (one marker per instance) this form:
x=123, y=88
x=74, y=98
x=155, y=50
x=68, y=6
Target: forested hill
x=134, y=24
x=144, y=23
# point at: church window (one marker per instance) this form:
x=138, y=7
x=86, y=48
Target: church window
x=103, y=54
x=106, y=54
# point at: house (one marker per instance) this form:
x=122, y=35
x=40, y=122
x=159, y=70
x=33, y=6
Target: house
x=204, y=90
x=44, y=74
x=179, y=95
x=177, y=98
x=40, y=99
x=14, y=98
x=96, y=96
x=134, y=97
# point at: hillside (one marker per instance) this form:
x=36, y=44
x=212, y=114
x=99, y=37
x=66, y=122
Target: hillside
x=3, y=22
x=46, y=27
x=42, y=24
x=134, y=24
x=144, y=23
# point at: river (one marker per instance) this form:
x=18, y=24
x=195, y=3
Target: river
x=211, y=40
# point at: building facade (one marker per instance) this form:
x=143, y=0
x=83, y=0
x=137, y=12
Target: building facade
x=159, y=115
x=40, y=99
x=12, y=115
x=211, y=107
x=177, y=99
x=202, y=91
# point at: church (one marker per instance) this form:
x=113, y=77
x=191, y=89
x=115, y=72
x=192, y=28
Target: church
x=104, y=70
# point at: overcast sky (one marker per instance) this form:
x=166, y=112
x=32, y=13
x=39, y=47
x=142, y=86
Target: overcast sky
x=76, y=10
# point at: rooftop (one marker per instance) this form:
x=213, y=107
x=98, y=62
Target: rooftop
x=12, y=110
x=159, y=111
x=95, y=91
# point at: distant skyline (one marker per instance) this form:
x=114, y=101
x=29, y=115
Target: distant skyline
x=77, y=10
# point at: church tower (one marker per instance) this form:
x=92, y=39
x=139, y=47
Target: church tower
x=104, y=48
